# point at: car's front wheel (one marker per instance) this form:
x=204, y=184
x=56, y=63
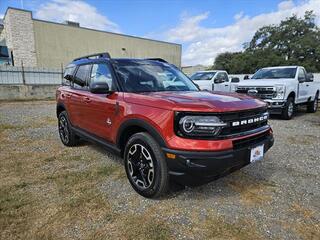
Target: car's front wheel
x=288, y=110
x=146, y=166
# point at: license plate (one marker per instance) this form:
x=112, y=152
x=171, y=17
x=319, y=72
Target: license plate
x=256, y=153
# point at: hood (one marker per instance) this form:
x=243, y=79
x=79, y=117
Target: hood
x=205, y=101
x=265, y=82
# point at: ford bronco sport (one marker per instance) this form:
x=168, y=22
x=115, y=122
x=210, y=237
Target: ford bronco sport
x=151, y=114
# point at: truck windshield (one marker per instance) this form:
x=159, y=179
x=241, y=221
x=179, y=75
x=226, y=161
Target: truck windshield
x=275, y=73
x=203, y=76
x=151, y=76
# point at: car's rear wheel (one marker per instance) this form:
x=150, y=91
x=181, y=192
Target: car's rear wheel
x=288, y=110
x=146, y=166
x=67, y=135
x=313, y=106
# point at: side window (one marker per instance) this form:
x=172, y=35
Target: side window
x=301, y=74
x=225, y=77
x=221, y=77
x=101, y=73
x=68, y=72
x=80, y=79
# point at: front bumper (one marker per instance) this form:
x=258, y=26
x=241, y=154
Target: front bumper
x=275, y=106
x=194, y=168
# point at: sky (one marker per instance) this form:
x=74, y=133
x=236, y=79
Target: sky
x=204, y=28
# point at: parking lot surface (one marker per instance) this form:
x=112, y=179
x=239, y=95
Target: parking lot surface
x=48, y=191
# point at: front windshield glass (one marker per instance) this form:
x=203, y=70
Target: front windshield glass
x=203, y=76
x=151, y=76
x=275, y=73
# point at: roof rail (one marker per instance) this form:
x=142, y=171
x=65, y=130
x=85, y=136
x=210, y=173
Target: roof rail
x=157, y=59
x=97, y=55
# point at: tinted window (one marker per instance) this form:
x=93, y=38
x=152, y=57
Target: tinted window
x=203, y=76
x=81, y=77
x=275, y=73
x=151, y=76
x=101, y=73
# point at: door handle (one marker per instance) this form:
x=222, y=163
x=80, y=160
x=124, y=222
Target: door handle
x=86, y=99
x=68, y=95
x=307, y=85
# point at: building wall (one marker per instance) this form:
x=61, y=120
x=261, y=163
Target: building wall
x=19, y=36
x=46, y=44
x=58, y=43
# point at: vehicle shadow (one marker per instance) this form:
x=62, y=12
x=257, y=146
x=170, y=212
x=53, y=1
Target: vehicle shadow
x=248, y=179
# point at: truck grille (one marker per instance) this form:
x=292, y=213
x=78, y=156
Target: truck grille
x=260, y=92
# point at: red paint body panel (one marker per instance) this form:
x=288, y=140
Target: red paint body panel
x=91, y=112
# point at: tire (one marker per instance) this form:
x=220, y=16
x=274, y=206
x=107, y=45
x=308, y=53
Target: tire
x=313, y=106
x=145, y=166
x=288, y=111
x=67, y=135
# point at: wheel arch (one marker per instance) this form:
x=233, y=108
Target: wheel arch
x=292, y=94
x=60, y=107
x=132, y=126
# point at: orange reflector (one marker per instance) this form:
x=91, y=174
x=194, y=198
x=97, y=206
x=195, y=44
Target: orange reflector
x=171, y=155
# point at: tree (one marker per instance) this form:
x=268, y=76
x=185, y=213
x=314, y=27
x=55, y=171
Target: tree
x=295, y=41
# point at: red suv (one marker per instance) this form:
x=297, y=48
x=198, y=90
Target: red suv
x=151, y=114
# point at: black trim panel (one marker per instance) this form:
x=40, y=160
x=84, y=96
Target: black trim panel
x=93, y=138
x=143, y=124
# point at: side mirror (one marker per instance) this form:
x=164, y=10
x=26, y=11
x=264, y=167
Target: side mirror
x=218, y=80
x=235, y=80
x=68, y=77
x=246, y=77
x=99, y=88
x=301, y=80
x=310, y=77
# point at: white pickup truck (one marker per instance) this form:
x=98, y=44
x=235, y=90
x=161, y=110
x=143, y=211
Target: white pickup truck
x=283, y=88
x=214, y=80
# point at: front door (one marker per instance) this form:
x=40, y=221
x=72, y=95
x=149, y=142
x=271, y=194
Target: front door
x=101, y=109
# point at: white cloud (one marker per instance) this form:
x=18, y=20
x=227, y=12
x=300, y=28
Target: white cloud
x=77, y=11
x=285, y=5
x=202, y=44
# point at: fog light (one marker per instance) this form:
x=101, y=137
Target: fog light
x=171, y=155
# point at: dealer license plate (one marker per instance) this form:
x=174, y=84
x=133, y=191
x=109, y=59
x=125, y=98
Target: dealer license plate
x=257, y=153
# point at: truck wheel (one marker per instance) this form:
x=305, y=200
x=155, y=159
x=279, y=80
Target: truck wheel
x=67, y=135
x=146, y=166
x=313, y=106
x=288, y=111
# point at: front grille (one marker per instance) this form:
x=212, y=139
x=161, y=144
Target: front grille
x=230, y=118
x=262, y=92
x=246, y=142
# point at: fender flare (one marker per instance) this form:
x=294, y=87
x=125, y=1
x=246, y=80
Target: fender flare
x=142, y=124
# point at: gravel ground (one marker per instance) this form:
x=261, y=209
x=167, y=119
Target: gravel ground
x=50, y=191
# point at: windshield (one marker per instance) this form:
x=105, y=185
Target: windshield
x=203, y=76
x=151, y=76
x=275, y=73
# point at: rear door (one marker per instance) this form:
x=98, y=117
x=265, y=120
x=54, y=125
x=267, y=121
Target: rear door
x=221, y=82
x=78, y=98
x=101, y=109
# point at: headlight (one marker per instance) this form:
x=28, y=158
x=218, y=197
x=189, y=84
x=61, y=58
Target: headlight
x=280, y=91
x=204, y=126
